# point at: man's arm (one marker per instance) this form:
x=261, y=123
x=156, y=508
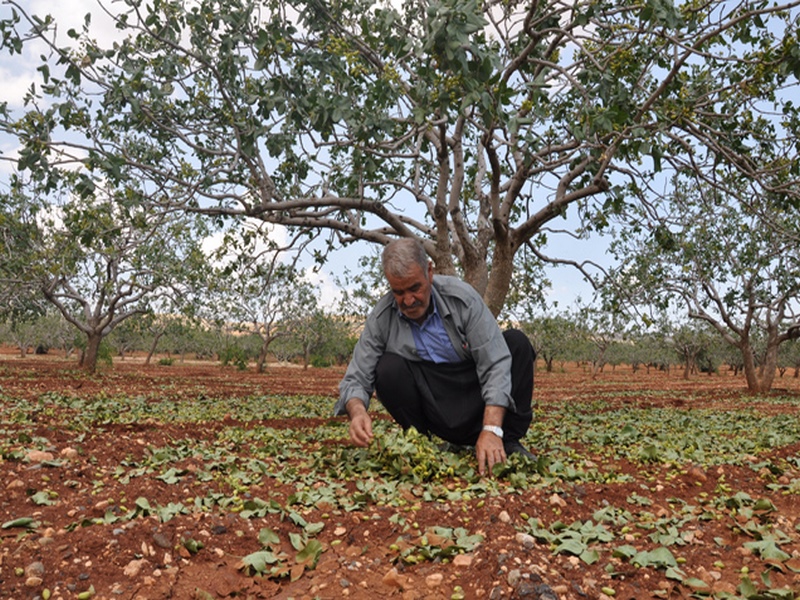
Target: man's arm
x=489, y=447
x=360, y=422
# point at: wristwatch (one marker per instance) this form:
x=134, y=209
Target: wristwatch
x=498, y=431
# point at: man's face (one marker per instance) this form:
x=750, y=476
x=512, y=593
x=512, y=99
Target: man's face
x=412, y=292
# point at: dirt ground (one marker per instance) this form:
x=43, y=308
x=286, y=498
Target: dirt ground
x=68, y=552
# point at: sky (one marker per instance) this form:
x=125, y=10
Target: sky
x=18, y=72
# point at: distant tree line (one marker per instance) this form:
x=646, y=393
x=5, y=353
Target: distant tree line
x=689, y=348
x=326, y=338
x=166, y=339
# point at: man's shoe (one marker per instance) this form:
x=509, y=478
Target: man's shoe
x=516, y=448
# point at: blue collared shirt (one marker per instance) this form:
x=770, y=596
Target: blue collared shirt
x=433, y=343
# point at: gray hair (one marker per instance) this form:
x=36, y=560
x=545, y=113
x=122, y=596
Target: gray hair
x=400, y=255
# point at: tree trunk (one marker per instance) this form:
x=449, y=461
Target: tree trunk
x=770, y=366
x=755, y=384
x=261, y=363
x=262, y=358
x=596, y=368
x=153, y=348
x=89, y=358
x=500, y=277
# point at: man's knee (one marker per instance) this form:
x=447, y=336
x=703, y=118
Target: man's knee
x=396, y=389
x=388, y=368
x=394, y=383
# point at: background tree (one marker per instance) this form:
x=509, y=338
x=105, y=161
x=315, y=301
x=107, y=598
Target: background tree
x=336, y=347
x=587, y=336
x=184, y=336
x=317, y=338
x=470, y=126
x=717, y=257
x=127, y=337
x=57, y=332
x=309, y=327
x=23, y=332
x=286, y=349
x=789, y=357
x=652, y=349
x=600, y=329
x=100, y=258
x=692, y=343
x=257, y=288
x=551, y=337
x=155, y=327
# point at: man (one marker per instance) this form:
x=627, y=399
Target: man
x=437, y=360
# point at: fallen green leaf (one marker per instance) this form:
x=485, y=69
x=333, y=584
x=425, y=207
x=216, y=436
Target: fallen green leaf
x=21, y=522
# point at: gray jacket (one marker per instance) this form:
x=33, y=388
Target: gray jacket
x=471, y=326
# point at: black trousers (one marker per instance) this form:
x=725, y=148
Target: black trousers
x=445, y=399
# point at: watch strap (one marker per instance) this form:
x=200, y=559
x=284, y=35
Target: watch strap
x=498, y=431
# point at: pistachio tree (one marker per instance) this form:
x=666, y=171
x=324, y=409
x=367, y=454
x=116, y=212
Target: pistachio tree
x=691, y=343
x=22, y=333
x=475, y=127
x=99, y=259
x=599, y=330
x=651, y=350
x=727, y=261
x=57, y=333
x=789, y=358
x=551, y=337
x=257, y=288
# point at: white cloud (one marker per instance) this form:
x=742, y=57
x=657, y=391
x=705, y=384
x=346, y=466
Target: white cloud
x=274, y=233
x=70, y=14
x=330, y=293
x=18, y=72
x=17, y=80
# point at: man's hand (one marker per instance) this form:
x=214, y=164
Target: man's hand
x=360, y=423
x=489, y=448
x=489, y=451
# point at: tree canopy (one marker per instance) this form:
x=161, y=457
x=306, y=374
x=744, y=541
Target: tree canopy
x=473, y=126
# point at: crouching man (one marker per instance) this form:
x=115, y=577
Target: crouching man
x=436, y=358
